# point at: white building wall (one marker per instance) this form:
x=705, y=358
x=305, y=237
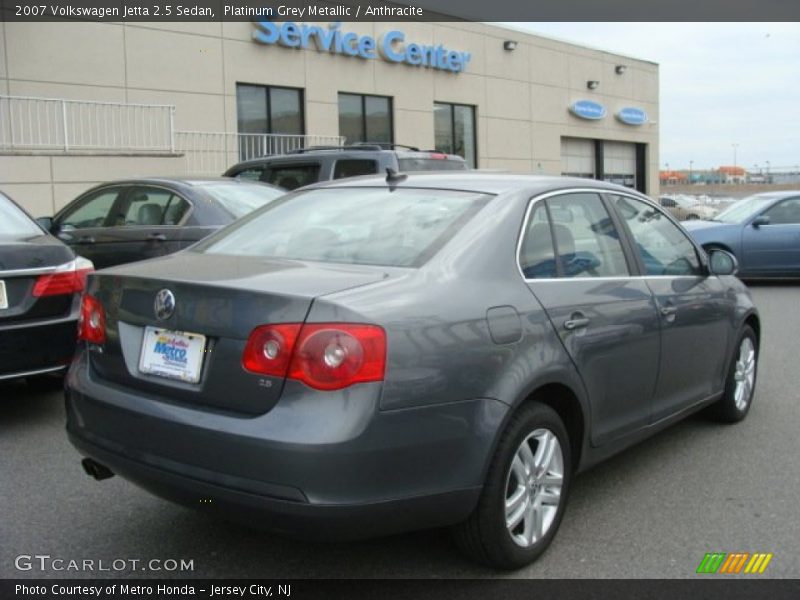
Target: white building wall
x=521, y=97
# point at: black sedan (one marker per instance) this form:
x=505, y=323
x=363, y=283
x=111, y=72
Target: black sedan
x=40, y=285
x=125, y=221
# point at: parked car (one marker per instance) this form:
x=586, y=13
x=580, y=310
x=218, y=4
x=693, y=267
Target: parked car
x=686, y=209
x=136, y=219
x=303, y=167
x=762, y=231
x=383, y=354
x=40, y=285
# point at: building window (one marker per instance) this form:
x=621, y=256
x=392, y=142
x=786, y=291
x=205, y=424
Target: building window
x=267, y=109
x=454, y=126
x=365, y=118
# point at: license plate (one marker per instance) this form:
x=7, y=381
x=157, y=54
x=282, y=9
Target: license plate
x=3, y=295
x=172, y=354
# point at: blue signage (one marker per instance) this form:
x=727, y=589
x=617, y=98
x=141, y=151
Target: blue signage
x=588, y=109
x=390, y=47
x=632, y=116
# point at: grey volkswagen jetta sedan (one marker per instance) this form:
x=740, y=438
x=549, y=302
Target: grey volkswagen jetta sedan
x=383, y=354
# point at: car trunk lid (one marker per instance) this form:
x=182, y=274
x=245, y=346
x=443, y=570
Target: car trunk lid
x=219, y=300
x=22, y=261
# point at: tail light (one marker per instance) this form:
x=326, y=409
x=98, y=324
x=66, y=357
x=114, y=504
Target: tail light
x=269, y=349
x=92, y=321
x=66, y=279
x=324, y=356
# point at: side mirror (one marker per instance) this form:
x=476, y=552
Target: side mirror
x=45, y=223
x=760, y=220
x=722, y=262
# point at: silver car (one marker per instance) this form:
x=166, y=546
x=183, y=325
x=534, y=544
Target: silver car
x=383, y=354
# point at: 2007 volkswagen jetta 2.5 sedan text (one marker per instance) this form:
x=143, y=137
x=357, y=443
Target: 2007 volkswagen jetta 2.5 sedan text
x=392, y=353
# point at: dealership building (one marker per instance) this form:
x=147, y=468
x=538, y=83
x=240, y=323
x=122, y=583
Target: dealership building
x=83, y=102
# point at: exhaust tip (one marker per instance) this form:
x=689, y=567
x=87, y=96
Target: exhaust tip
x=96, y=470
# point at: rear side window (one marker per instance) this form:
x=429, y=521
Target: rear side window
x=291, y=177
x=364, y=226
x=431, y=164
x=14, y=221
x=537, y=257
x=354, y=168
x=147, y=207
x=663, y=247
x=584, y=241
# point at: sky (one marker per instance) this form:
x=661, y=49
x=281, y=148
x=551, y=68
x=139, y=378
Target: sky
x=720, y=84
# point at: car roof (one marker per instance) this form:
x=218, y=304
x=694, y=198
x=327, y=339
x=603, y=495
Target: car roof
x=176, y=181
x=777, y=194
x=475, y=181
x=364, y=152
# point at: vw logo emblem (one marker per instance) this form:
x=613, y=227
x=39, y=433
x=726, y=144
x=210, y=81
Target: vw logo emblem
x=164, y=305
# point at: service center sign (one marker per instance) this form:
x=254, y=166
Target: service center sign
x=390, y=47
x=632, y=116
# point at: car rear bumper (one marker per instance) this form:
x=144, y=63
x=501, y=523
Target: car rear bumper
x=36, y=347
x=373, y=472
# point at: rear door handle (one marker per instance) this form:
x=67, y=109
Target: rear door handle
x=87, y=239
x=576, y=321
x=157, y=237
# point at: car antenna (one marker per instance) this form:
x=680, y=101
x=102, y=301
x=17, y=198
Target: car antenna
x=393, y=176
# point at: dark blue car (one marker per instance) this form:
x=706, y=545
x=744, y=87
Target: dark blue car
x=762, y=231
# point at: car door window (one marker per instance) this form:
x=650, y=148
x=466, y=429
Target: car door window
x=291, y=177
x=784, y=213
x=354, y=168
x=148, y=207
x=663, y=247
x=572, y=235
x=92, y=211
x=586, y=241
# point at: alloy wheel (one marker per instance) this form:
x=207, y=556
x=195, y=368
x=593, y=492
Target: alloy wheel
x=745, y=374
x=533, y=487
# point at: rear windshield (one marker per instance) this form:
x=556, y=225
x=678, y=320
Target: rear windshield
x=366, y=226
x=15, y=222
x=431, y=164
x=240, y=199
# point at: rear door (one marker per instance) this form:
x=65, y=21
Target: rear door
x=694, y=309
x=774, y=248
x=147, y=224
x=574, y=262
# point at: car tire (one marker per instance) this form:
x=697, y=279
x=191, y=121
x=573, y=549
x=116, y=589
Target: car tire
x=525, y=493
x=740, y=383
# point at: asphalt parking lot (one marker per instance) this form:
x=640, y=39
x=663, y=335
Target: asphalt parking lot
x=653, y=511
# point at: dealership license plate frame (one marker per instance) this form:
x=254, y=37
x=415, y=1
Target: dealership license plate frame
x=3, y=295
x=152, y=363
